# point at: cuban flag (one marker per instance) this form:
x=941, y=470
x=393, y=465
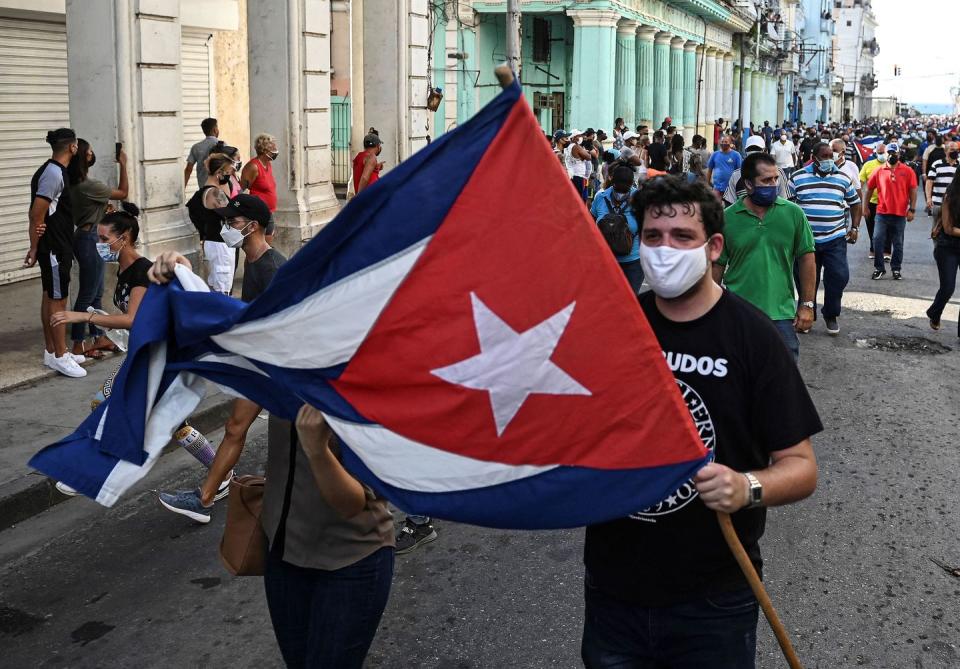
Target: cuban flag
x=868, y=145
x=462, y=326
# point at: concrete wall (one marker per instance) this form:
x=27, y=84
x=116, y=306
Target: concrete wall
x=232, y=84
x=340, y=48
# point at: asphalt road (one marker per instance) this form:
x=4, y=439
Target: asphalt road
x=848, y=569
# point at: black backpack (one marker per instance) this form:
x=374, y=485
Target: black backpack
x=615, y=229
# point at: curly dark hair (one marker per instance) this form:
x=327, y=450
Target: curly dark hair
x=664, y=195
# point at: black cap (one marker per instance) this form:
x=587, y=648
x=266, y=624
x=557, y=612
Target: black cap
x=60, y=135
x=371, y=141
x=589, y=131
x=248, y=206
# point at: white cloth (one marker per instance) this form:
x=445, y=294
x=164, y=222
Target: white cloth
x=575, y=166
x=783, y=153
x=220, y=262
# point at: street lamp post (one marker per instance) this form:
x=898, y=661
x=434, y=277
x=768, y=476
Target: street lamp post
x=513, y=36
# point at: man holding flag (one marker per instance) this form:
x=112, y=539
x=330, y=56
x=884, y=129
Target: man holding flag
x=662, y=587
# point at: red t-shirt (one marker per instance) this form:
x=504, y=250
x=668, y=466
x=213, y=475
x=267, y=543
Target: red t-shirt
x=893, y=186
x=264, y=186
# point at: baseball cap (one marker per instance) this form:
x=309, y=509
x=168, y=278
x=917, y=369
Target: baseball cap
x=893, y=147
x=629, y=134
x=668, y=119
x=755, y=142
x=560, y=134
x=576, y=133
x=589, y=131
x=248, y=206
x=371, y=140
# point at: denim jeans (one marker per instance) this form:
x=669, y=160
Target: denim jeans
x=789, y=335
x=948, y=261
x=718, y=631
x=892, y=227
x=634, y=273
x=327, y=618
x=90, y=291
x=419, y=520
x=831, y=260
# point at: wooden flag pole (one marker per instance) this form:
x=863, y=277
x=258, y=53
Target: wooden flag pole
x=733, y=541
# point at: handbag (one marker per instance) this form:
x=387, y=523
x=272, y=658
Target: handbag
x=243, y=548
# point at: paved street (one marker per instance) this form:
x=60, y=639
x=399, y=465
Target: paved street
x=136, y=586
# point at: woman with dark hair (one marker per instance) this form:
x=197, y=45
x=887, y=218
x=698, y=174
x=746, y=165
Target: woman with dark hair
x=619, y=127
x=946, y=251
x=233, y=153
x=90, y=199
x=677, y=158
x=658, y=162
x=215, y=193
x=117, y=242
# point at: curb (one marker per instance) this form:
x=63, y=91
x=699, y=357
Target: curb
x=33, y=495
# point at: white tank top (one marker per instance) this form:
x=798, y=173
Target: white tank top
x=575, y=166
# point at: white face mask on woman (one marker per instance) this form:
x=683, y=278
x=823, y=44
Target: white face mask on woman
x=672, y=272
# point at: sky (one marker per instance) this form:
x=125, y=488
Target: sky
x=921, y=37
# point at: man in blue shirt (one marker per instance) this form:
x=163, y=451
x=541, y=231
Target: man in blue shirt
x=616, y=199
x=825, y=193
x=721, y=165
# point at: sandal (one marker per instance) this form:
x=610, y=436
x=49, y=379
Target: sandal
x=105, y=345
x=89, y=352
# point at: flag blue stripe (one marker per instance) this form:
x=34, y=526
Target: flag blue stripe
x=542, y=501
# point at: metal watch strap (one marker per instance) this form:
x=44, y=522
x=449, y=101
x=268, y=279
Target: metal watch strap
x=756, y=491
x=808, y=305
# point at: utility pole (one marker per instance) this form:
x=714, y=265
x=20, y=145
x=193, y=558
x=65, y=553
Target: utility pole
x=513, y=36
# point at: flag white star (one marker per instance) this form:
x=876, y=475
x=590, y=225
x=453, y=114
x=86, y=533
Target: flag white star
x=513, y=365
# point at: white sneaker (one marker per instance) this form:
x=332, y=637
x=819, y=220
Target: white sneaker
x=48, y=356
x=65, y=489
x=77, y=358
x=67, y=366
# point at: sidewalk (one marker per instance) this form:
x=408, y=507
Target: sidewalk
x=39, y=406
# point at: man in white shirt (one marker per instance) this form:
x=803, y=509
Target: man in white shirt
x=784, y=152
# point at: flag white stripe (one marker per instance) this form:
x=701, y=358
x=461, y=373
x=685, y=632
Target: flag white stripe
x=410, y=465
x=328, y=327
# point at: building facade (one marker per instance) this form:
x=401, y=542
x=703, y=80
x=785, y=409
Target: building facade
x=855, y=46
x=815, y=27
x=585, y=63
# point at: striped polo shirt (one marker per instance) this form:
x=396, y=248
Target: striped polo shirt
x=825, y=200
x=941, y=173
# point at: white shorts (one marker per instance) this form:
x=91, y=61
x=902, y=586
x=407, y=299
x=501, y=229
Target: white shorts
x=220, y=262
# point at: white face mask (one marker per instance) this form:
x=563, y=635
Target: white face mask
x=233, y=237
x=882, y=157
x=672, y=272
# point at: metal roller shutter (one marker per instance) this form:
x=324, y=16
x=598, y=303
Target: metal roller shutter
x=195, y=85
x=33, y=100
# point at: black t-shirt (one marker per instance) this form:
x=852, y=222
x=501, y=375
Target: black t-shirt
x=50, y=183
x=806, y=148
x=135, y=275
x=258, y=274
x=747, y=399
x=206, y=221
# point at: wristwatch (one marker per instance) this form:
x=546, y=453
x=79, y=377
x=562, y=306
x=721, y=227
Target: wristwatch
x=755, y=497
x=912, y=210
x=808, y=305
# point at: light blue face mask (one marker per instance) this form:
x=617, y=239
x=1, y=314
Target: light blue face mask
x=105, y=252
x=826, y=165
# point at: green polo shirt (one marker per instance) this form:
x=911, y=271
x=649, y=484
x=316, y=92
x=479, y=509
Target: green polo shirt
x=759, y=255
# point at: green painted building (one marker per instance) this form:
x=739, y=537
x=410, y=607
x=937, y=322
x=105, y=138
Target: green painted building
x=586, y=62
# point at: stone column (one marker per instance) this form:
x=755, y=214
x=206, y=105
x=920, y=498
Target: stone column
x=625, y=91
x=756, y=98
x=661, y=78
x=594, y=67
x=728, y=91
x=644, y=95
x=127, y=89
x=747, y=77
x=677, y=82
x=289, y=62
x=702, y=93
x=710, y=85
x=735, y=98
x=690, y=90
x=718, y=92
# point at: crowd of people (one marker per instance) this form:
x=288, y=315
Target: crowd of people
x=733, y=243
x=839, y=176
